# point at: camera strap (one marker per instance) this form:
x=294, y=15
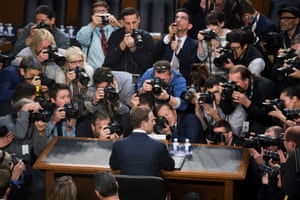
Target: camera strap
x=59, y=128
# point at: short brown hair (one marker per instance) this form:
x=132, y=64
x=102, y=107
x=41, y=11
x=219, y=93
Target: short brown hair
x=242, y=70
x=100, y=3
x=162, y=66
x=138, y=115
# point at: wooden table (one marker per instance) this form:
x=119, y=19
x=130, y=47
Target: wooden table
x=211, y=170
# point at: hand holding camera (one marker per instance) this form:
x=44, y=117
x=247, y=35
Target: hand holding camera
x=17, y=170
x=172, y=31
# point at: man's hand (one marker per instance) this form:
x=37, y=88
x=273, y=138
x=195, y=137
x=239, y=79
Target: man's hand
x=6, y=140
x=17, y=170
x=258, y=157
x=99, y=95
x=241, y=98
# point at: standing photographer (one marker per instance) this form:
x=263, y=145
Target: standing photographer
x=93, y=37
x=44, y=18
x=129, y=49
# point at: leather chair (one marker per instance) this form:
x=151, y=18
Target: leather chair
x=141, y=187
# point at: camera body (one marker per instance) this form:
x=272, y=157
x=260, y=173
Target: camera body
x=291, y=114
x=115, y=127
x=50, y=83
x=54, y=57
x=42, y=24
x=3, y=131
x=82, y=76
x=262, y=140
x=228, y=89
x=269, y=105
x=189, y=94
x=138, y=37
x=105, y=19
x=215, y=137
x=111, y=94
x=71, y=112
x=6, y=59
x=224, y=54
x=208, y=34
x=160, y=124
x=272, y=171
x=272, y=42
x=157, y=86
x=206, y=97
x=271, y=155
x=288, y=69
x=26, y=158
x=45, y=113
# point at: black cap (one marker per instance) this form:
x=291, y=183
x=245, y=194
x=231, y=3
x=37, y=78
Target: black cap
x=295, y=11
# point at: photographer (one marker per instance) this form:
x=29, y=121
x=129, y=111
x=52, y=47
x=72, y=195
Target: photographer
x=99, y=125
x=43, y=47
x=211, y=107
x=44, y=18
x=212, y=38
x=168, y=86
x=177, y=47
x=129, y=49
x=78, y=77
x=180, y=126
x=244, y=52
x=253, y=91
x=112, y=92
x=63, y=120
x=93, y=37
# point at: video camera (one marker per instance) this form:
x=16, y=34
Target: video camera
x=160, y=124
x=228, y=89
x=189, y=94
x=111, y=94
x=3, y=131
x=262, y=140
x=208, y=34
x=215, y=137
x=138, y=37
x=157, y=86
x=71, y=112
x=268, y=106
x=54, y=56
x=291, y=114
x=206, y=97
x=224, y=54
x=115, y=127
x=82, y=76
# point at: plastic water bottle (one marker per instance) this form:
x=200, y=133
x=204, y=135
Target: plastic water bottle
x=175, y=146
x=187, y=147
x=1, y=29
x=71, y=32
x=10, y=30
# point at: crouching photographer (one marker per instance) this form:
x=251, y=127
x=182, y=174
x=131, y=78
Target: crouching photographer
x=165, y=84
x=112, y=92
x=63, y=120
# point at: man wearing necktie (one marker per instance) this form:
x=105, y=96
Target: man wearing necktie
x=177, y=47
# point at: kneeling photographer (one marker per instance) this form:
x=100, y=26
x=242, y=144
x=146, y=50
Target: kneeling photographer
x=112, y=92
x=165, y=84
x=63, y=120
x=214, y=105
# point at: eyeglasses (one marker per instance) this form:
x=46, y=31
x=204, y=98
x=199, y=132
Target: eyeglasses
x=287, y=18
x=76, y=61
x=235, y=48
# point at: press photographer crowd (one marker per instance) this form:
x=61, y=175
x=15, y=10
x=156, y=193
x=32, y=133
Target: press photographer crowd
x=230, y=78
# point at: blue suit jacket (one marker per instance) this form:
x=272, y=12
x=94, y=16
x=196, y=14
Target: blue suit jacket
x=265, y=25
x=138, y=154
x=187, y=55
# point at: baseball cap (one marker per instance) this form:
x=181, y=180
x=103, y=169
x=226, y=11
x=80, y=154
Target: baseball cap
x=295, y=11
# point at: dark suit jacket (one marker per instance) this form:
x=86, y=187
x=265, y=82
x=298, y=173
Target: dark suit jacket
x=138, y=154
x=265, y=25
x=187, y=55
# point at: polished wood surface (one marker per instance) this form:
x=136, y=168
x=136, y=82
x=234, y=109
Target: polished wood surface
x=213, y=184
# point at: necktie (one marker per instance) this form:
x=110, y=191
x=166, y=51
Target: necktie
x=175, y=61
x=103, y=42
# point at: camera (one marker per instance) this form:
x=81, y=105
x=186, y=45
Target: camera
x=42, y=24
x=215, y=137
x=272, y=171
x=105, y=19
x=157, y=86
x=271, y=155
x=288, y=69
x=54, y=57
x=138, y=38
x=6, y=59
x=271, y=41
x=115, y=127
x=228, y=89
x=208, y=34
x=160, y=124
x=224, y=54
x=71, y=112
x=50, y=83
x=189, y=94
x=111, y=94
x=262, y=140
x=3, y=131
x=291, y=114
x=25, y=158
x=45, y=113
x=82, y=76
x=206, y=97
x=268, y=106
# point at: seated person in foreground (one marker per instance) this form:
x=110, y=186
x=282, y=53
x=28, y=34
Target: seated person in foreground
x=138, y=154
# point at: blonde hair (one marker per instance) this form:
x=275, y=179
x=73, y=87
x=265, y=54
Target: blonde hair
x=63, y=188
x=72, y=52
x=38, y=38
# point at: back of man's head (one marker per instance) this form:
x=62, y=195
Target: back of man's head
x=138, y=115
x=238, y=36
x=105, y=185
x=293, y=134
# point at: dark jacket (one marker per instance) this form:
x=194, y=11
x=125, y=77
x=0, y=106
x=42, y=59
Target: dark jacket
x=138, y=154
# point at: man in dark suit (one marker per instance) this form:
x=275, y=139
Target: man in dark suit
x=138, y=154
x=177, y=47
